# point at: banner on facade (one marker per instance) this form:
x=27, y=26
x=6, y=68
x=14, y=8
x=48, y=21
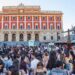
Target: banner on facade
x=31, y=43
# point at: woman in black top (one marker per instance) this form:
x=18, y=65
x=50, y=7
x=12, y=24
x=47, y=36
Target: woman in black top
x=41, y=70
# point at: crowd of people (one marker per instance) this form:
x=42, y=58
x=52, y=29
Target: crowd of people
x=23, y=60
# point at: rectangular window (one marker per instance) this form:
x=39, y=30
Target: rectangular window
x=51, y=18
x=51, y=37
x=58, y=26
x=14, y=18
x=21, y=18
x=44, y=37
x=44, y=27
x=6, y=18
x=58, y=18
x=43, y=18
x=21, y=27
x=51, y=27
x=36, y=27
x=28, y=17
x=36, y=17
x=58, y=38
x=14, y=27
x=28, y=27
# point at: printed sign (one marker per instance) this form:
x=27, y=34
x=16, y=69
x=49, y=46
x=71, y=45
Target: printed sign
x=31, y=43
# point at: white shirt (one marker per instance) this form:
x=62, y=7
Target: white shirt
x=34, y=63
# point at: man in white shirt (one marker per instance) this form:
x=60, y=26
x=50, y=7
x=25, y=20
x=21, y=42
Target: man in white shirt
x=34, y=61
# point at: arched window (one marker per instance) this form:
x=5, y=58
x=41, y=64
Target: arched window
x=5, y=37
x=21, y=37
x=28, y=37
x=13, y=37
x=14, y=26
x=6, y=26
x=44, y=26
x=28, y=26
x=36, y=37
x=51, y=26
x=36, y=26
x=21, y=26
x=58, y=26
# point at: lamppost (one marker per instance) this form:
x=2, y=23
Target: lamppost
x=57, y=36
x=69, y=40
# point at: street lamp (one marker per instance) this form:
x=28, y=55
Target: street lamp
x=57, y=36
x=69, y=40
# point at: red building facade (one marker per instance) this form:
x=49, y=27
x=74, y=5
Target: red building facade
x=29, y=18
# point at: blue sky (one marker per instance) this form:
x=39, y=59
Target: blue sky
x=66, y=6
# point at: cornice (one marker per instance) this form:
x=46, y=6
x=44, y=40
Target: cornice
x=32, y=13
x=35, y=10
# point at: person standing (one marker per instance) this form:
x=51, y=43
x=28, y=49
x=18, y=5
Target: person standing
x=34, y=63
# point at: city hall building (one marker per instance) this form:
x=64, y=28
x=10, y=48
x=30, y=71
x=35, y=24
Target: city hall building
x=24, y=23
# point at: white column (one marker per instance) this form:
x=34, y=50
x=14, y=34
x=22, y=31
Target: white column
x=9, y=22
x=55, y=33
x=41, y=36
x=10, y=36
x=2, y=36
x=32, y=36
x=40, y=23
x=17, y=36
x=55, y=23
x=2, y=22
x=47, y=23
x=25, y=36
x=32, y=23
x=25, y=22
x=17, y=22
x=61, y=23
x=61, y=34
